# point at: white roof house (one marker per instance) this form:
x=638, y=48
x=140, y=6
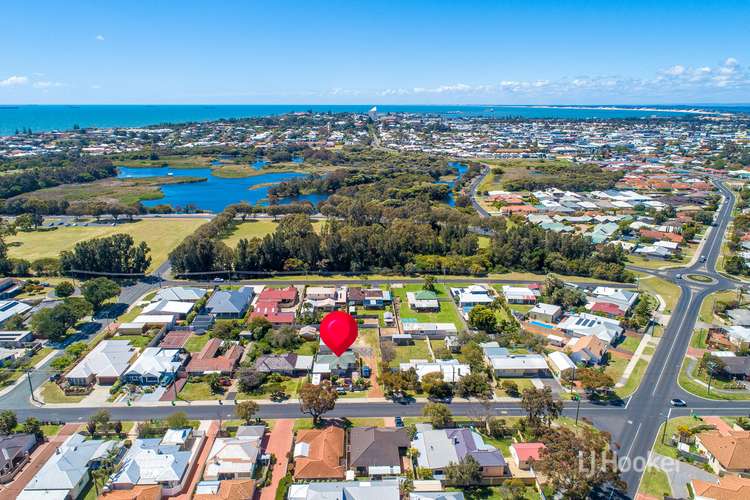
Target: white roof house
x=168, y=307
x=109, y=359
x=472, y=295
x=585, y=324
x=560, y=362
x=625, y=299
x=153, y=364
x=154, y=319
x=321, y=292
x=451, y=369
x=67, y=471
x=148, y=461
x=234, y=457
x=180, y=294
x=545, y=309
x=433, y=329
x=519, y=294
x=523, y=362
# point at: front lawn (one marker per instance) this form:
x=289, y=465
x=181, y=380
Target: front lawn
x=522, y=383
x=51, y=393
x=290, y=386
x=198, y=391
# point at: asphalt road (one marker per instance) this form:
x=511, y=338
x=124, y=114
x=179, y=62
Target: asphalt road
x=633, y=424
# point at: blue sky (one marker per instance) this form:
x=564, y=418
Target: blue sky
x=381, y=52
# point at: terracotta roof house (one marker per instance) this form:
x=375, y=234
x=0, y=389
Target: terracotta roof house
x=284, y=296
x=14, y=453
x=728, y=488
x=271, y=310
x=231, y=489
x=607, y=309
x=589, y=350
x=175, y=340
x=661, y=235
x=726, y=452
x=141, y=492
x=319, y=454
x=377, y=451
x=525, y=453
x=216, y=356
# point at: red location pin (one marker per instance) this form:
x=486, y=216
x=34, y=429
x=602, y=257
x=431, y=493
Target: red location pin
x=338, y=331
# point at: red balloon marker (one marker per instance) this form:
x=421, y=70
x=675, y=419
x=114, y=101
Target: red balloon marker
x=338, y=331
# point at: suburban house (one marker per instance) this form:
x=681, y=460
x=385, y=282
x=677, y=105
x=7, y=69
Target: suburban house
x=387, y=489
x=235, y=457
x=327, y=365
x=561, y=364
x=230, y=304
x=589, y=350
x=520, y=365
x=321, y=293
x=624, y=299
x=164, y=462
x=524, y=454
x=727, y=488
x=432, y=330
x=154, y=366
x=180, y=294
x=217, y=356
x=377, y=451
x=726, y=452
x=370, y=298
x=15, y=450
x=585, y=324
x=229, y=489
x=270, y=303
x=145, y=322
x=103, y=365
x=67, y=472
x=290, y=364
x=176, y=339
x=548, y=313
x=519, y=294
x=737, y=367
x=451, y=369
x=439, y=448
x=472, y=295
x=169, y=307
x=423, y=301
x=319, y=454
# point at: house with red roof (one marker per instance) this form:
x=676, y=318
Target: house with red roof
x=271, y=301
x=607, y=309
x=661, y=235
x=524, y=454
x=217, y=356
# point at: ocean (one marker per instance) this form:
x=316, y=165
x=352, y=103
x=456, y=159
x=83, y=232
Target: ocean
x=44, y=118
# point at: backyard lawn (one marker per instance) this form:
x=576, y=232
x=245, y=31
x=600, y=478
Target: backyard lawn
x=161, y=235
x=407, y=352
x=447, y=314
x=196, y=342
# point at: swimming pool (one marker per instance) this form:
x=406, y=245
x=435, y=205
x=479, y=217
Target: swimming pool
x=543, y=325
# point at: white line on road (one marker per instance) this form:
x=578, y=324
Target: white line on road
x=675, y=336
x=635, y=438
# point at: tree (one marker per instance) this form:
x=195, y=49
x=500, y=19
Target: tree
x=434, y=385
x=316, y=400
x=475, y=385
x=246, y=410
x=53, y=323
x=64, y=289
x=117, y=427
x=540, y=406
x=99, y=290
x=511, y=388
x=285, y=337
x=114, y=254
x=429, y=283
x=250, y=380
x=574, y=464
x=33, y=426
x=594, y=380
x=214, y=383
x=178, y=420
x=474, y=356
x=439, y=414
x=8, y=422
x=483, y=318
x=467, y=472
x=100, y=420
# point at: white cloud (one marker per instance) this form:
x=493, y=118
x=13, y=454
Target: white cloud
x=14, y=81
x=46, y=84
x=99, y=38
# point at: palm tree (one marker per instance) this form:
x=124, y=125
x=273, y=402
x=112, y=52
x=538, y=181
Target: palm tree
x=413, y=454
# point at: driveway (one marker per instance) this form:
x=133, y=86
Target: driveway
x=212, y=429
x=680, y=474
x=279, y=444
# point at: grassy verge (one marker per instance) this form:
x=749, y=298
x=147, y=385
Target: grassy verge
x=669, y=292
x=51, y=393
x=655, y=483
x=693, y=387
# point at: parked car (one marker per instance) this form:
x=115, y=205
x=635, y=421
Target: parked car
x=399, y=422
x=366, y=371
x=703, y=258
x=218, y=280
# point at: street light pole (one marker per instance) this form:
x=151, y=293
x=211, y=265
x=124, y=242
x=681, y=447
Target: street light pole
x=31, y=387
x=664, y=432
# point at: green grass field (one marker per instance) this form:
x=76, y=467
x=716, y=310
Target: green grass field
x=669, y=292
x=198, y=391
x=447, y=314
x=707, y=307
x=161, y=235
x=196, y=342
x=258, y=228
x=655, y=483
x=408, y=352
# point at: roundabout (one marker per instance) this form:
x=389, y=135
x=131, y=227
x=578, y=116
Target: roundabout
x=701, y=278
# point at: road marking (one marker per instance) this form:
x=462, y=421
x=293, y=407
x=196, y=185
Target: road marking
x=635, y=438
x=674, y=341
